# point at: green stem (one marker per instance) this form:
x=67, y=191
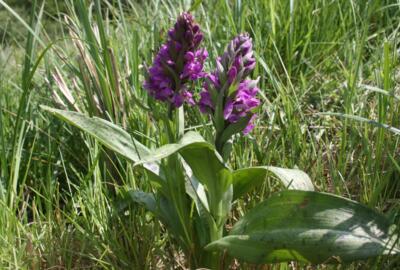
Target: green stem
x=213, y=259
x=175, y=123
x=219, y=144
x=180, y=122
x=223, y=148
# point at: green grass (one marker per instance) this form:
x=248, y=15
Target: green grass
x=63, y=198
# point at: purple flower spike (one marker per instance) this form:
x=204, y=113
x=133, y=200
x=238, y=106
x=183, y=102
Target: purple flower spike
x=240, y=94
x=178, y=62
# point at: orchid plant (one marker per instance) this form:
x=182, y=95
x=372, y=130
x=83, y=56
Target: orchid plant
x=195, y=188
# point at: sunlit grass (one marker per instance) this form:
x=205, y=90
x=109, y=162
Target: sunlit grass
x=63, y=200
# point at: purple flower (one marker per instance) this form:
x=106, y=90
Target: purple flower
x=239, y=93
x=243, y=103
x=177, y=62
x=193, y=68
x=250, y=125
x=238, y=59
x=205, y=103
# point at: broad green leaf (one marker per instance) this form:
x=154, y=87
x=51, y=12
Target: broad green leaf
x=195, y=189
x=224, y=193
x=234, y=128
x=106, y=132
x=161, y=207
x=200, y=155
x=190, y=140
x=310, y=227
x=144, y=198
x=244, y=180
x=112, y=136
x=207, y=167
x=197, y=192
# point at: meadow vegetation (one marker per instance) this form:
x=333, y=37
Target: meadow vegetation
x=330, y=106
